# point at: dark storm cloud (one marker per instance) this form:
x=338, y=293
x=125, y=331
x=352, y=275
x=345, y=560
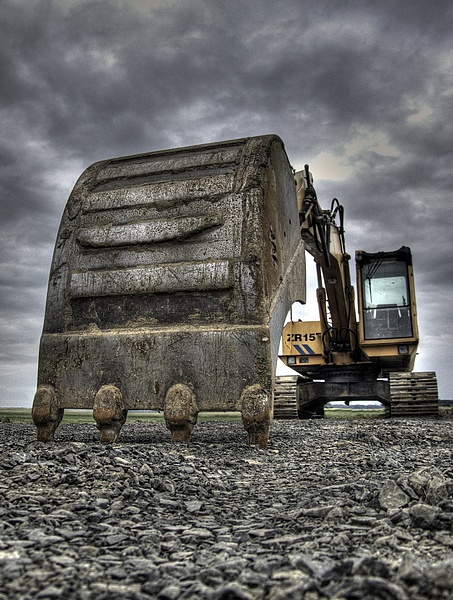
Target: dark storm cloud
x=367, y=83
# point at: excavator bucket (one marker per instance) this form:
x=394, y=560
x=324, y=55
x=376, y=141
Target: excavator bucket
x=172, y=275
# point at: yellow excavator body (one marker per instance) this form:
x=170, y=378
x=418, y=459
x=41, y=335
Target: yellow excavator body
x=302, y=344
x=387, y=328
x=344, y=356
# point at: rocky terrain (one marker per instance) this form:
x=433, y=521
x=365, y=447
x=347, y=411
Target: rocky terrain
x=338, y=509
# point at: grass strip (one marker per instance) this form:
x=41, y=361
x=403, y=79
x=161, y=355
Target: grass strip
x=23, y=415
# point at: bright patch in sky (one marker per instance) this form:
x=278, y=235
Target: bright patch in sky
x=328, y=166
x=370, y=142
x=421, y=115
x=340, y=167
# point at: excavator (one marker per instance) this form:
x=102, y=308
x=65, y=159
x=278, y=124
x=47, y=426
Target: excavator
x=172, y=276
x=340, y=358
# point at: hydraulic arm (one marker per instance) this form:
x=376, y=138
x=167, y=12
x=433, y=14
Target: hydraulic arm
x=324, y=240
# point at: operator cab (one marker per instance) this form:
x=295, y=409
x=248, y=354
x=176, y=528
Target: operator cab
x=388, y=332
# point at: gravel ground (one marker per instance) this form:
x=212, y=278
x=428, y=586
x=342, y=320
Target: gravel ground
x=331, y=509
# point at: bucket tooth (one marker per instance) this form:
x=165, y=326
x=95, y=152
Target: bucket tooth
x=180, y=412
x=45, y=412
x=109, y=412
x=256, y=409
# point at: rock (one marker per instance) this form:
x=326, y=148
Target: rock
x=193, y=505
x=430, y=485
x=170, y=592
x=336, y=514
x=424, y=515
x=392, y=497
x=438, y=489
x=371, y=566
x=411, y=569
x=210, y=576
x=232, y=591
x=377, y=588
x=441, y=574
x=50, y=592
x=420, y=478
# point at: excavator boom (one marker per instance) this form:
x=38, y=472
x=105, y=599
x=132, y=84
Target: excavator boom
x=324, y=240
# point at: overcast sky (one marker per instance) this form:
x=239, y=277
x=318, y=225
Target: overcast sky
x=361, y=90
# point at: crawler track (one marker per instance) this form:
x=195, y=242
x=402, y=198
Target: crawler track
x=285, y=397
x=413, y=394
